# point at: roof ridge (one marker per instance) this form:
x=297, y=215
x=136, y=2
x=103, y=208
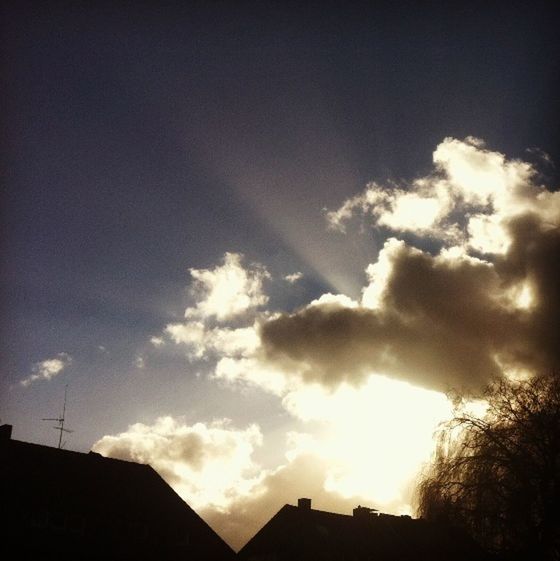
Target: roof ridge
x=90, y=454
x=295, y=507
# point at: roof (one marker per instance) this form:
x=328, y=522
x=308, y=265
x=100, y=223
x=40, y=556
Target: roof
x=297, y=533
x=66, y=500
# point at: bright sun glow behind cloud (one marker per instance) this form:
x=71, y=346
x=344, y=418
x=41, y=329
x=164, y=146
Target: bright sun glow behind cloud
x=374, y=438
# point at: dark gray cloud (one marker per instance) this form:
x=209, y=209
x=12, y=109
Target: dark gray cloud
x=534, y=257
x=442, y=322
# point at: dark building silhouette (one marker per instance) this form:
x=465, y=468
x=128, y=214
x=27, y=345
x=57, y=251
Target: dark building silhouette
x=301, y=533
x=63, y=505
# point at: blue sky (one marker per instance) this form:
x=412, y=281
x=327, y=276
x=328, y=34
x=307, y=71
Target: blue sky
x=142, y=143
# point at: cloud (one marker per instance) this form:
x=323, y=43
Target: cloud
x=48, y=369
x=228, y=290
x=468, y=200
x=207, y=464
x=211, y=467
x=338, y=463
x=397, y=209
x=485, y=303
x=369, y=447
x=252, y=371
x=294, y=277
x=226, y=298
x=437, y=322
x=304, y=476
x=336, y=300
x=373, y=439
x=478, y=299
x=201, y=340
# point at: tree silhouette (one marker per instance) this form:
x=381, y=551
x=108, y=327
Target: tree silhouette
x=498, y=475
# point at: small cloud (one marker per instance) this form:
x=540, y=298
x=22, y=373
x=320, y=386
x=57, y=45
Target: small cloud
x=294, y=277
x=102, y=349
x=228, y=290
x=339, y=300
x=157, y=341
x=48, y=369
x=544, y=156
x=140, y=362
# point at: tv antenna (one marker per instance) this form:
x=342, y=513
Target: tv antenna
x=60, y=421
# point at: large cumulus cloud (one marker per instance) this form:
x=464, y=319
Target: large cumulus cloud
x=464, y=289
x=441, y=322
x=483, y=303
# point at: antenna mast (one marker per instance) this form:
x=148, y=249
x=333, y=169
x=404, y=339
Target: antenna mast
x=60, y=420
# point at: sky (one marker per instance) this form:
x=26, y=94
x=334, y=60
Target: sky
x=260, y=243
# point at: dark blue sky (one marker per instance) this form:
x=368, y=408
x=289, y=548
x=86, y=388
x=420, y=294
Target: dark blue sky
x=143, y=139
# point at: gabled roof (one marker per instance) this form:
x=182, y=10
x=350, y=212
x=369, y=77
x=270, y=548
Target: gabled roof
x=84, y=506
x=296, y=533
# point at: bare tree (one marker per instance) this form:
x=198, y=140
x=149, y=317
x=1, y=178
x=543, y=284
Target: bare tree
x=498, y=475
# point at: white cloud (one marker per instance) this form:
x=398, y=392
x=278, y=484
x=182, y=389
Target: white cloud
x=294, y=277
x=190, y=333
x=209, y=465
x=202, y=341
x=418, y=210
x=372, y=197
x=340, y=300
x=48, y=369
x=487, y=235
x=228, y=290
x=252, y=371
x=410, y=211
x=157, y=341
x=479, y=175
x=378, y=274
x=469, y=199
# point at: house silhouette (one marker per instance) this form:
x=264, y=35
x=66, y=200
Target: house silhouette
x=298, y=533
x=63, y=505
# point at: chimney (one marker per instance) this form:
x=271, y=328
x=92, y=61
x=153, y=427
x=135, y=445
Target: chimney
x=6, y=432
x=304, y=504
x=363, y=511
